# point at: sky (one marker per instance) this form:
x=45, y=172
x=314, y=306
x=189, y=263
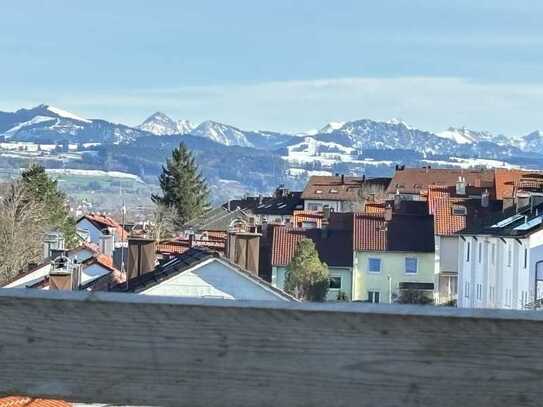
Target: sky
x=279, y=65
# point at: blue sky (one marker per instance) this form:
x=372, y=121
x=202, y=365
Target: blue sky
x=279, y=65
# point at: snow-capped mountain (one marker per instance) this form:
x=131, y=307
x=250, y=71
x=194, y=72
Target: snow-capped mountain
x=531, y=142
x=163, y=125
x=467, y=136
x=48, y=124
x=330, y=127
x=222, y=133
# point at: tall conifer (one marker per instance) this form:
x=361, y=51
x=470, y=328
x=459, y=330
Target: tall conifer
x=183, y=186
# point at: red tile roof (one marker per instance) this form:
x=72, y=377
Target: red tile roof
x=417, y=180
x=369, y=232
x=332, y=188
x=31, y=402
x=440, y=204
x=285, y=240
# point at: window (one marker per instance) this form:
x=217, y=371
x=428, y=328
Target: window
x=314, y=207
x=335, y=283
x=333, y=191
x=468, y=249
x=507, y=297
x=524, y=298
x=466, y=290
x=509, y=254
x=459, y=210
x=479, y=291
x=491, y=293
x=525, y=258
x=411, y=265
x=480, y=252
x=373, y=296
x=318, y=191
x=374, y=265
x=493, y=253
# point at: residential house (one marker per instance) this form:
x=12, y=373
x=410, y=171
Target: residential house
x=498, y=259
x=276, y=209
x=100, y=227
x=202, y=273
x=333, y=241
x=86, y=266
x=341, y=193
x=217, y=222
x=454, y=208
x=393, y=251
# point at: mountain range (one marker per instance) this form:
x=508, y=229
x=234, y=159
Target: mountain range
x=358, y=146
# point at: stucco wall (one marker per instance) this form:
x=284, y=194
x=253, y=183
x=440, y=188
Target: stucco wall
x=393, y=265
x=213, y=279
x=94, y=233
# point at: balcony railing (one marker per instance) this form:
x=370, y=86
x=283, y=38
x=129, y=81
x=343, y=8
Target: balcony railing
x=142, y=350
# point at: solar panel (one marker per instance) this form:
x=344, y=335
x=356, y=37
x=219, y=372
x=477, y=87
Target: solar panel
x=531, y=224
x=507, y=221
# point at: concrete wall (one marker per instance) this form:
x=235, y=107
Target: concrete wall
x=214, y=279
x=345, y=273
x=393, y=265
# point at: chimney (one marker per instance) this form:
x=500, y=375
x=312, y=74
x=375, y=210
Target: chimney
x=244, y=250
x=141, y=257
x=461, y=186
x=388, y=213
x=342, y=179
x=64, y=274
x=106, y=245
x=485, y=199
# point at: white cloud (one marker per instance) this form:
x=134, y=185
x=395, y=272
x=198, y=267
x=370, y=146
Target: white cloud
x=432, y=103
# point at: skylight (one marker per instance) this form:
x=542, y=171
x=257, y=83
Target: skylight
x=531, y=224
x=507, y=221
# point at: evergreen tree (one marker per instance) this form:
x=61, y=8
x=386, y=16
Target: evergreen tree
x=45, y=190
x=183, y=186
x=307, y=277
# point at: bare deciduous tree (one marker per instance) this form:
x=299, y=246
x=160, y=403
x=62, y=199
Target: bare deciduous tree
x=22, y=225
x=163, y=223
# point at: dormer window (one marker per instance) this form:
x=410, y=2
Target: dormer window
x=333, y=191
x=459, y=210
x=318, y=191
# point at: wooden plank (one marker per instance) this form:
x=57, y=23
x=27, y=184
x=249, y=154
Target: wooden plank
x=130, y=349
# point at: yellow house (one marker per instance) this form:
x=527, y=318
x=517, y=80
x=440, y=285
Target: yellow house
x=392, y=253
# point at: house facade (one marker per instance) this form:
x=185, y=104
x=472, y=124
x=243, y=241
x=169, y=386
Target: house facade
x=98, y=227
x=498, y=262
x=201, y=273
x=393, y=253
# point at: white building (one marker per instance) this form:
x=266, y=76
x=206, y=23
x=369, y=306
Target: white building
x=200, y=273
x=497, y=264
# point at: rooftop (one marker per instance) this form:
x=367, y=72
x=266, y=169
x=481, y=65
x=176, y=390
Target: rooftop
x=339, y=188
x=417, y=180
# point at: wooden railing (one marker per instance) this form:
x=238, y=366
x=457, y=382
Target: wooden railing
x=143, y=350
